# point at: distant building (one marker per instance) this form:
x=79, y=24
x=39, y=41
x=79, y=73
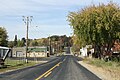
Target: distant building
x=18, y=52
x=67, y=50
x=38, y=52
x=32, y=52
x=83, y=51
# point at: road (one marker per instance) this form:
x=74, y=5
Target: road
x=61, y=68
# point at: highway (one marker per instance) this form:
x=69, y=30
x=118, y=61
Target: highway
x=61, y=68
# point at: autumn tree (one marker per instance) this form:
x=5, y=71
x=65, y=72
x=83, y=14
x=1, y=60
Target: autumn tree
x=33, y=43
x=96, y=25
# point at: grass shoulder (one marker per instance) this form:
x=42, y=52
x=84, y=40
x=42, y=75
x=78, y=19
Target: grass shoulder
x=16, y=64
x=108, y=70
x=102, y=63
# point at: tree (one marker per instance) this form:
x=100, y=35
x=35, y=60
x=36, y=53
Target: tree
x=24, y=41
x=10, y=44
x=20, y=43
x=3, y=37
x=43, y=42
x=33, y=43
x=15, y=40
x=97, y=25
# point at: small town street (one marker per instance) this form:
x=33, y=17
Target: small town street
x=61, y=68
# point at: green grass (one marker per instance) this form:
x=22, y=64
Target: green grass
x=16, y=64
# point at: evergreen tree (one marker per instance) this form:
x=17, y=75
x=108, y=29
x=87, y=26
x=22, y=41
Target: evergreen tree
x=15, y=40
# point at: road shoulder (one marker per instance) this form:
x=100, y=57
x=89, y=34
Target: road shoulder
x=22, y=68
x=102, y=73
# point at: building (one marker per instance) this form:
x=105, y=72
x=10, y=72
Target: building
x=38, y=52
x=3, y=51
x=18, y=52
x=32, y=52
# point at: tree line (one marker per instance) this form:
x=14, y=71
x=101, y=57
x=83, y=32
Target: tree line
x=55, y=41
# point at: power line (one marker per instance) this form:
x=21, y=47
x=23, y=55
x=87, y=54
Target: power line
x=34, y=29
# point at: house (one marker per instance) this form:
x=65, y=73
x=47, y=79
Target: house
x=83, y=51
x=116, y=47
x=38, y=52
x=32, y=52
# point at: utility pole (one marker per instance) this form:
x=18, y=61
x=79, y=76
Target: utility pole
x=49, y=46
x=27, y=20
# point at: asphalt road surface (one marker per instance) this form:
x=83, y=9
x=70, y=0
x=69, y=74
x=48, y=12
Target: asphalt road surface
x=61, y=68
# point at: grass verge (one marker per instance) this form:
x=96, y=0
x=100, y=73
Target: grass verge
x=102, y=63
x=16, y=64
x=109, y=66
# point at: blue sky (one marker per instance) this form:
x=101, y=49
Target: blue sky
x=49, y=15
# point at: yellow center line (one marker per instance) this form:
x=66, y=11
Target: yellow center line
x=47, y=73
x=64, y=58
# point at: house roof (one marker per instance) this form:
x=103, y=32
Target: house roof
x=37, y=49
x=3, y=47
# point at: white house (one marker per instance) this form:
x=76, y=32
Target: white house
x=83, y=51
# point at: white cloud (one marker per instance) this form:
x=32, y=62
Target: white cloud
x=20, y=7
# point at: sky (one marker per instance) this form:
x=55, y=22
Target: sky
x=49, y=16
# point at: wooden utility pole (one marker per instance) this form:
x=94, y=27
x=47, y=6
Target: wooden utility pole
x=27, y=20
x=49, y=46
